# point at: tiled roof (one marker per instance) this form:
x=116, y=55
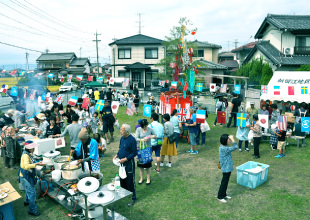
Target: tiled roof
x=230, y=63
x=293, y=23
x=79, y=62
x=276, y=56
x=56, y=56
x=205, y=44
x=248, y=46
x=137, y=39
x=137, y=65
x=226, y=54
x=211, y=65
x=78, y=69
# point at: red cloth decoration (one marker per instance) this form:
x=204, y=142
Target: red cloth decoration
x=85, y=103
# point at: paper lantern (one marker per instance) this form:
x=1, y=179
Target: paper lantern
x=196, y=71
x=193, y=32
x=293, y=107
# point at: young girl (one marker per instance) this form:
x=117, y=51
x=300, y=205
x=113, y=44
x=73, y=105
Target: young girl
x=94, y=123
x=102, y=144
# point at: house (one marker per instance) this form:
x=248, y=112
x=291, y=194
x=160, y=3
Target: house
x=210, y=70
x=107, y=68
x=206, y=51
x=135, y=57
x=79, y=66
x=284, y=42
x=54, y=61
x=232, y=65
x=242, y=51
x=226, y=56
x=94, y=67
x=63, y=63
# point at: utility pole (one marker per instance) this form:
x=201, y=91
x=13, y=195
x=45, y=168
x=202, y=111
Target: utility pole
x=139, y=14
x=236, y=43
x=97, y=52
x=80, y=52
x=27, y=65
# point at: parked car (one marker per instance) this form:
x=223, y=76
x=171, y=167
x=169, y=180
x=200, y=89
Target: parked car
x=68, y=87
x=6, y=100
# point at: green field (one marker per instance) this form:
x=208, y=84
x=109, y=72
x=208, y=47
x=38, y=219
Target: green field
x=188, y=190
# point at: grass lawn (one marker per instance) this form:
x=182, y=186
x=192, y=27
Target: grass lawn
x=188, y=190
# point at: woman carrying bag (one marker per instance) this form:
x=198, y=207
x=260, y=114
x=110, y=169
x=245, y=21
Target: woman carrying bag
x=144, y=134
x=168, y=148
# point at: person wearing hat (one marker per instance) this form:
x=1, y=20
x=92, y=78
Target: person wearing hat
x=87, y=152
x=43, y=125
x=6, y=119
x=252, y=110
x=27, y=178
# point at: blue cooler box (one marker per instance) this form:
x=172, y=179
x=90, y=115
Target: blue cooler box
x=252, y=179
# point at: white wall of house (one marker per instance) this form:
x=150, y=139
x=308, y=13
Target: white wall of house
x=258, y=55
x=87, y=68
x=274, y=36
x=210, y=54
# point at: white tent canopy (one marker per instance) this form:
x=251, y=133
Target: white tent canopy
x=290, y=86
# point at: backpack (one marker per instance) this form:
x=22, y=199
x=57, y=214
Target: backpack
x=298, y=118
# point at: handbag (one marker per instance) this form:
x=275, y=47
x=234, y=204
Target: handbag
x=204, y=127
x=219, y=165
x=172, y=138
x=122, y=172
x=144, y=153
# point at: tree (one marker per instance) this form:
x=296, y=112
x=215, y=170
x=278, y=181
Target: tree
x=304, y=68
x=259, y=73
x=171, y=44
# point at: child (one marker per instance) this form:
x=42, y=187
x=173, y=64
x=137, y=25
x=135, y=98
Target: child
x=273, y=137
x=243, y=133
x=94, y=123
x=281, y=143
x=102, y=144
x=289, y=133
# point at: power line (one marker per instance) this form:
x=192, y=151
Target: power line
x=37, y=20
x=70, y=26
x=11, y=45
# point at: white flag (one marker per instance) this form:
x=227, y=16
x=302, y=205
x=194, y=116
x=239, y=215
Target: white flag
x=111, y=81
x=187, y=106
x=115, y=106
x=212, y=87
x=168, y=109
x=263, y=119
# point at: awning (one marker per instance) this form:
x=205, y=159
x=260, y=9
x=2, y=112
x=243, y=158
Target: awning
x=288, y=86
x=137, y=65
x=94, y=84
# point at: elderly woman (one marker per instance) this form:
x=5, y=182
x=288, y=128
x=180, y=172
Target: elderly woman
x=87, y=152
x=242, y=134
x=144, y=134
x=167, y=148
x=52, y=130
x=43, y=125
x=9, y=147
x=27, y=177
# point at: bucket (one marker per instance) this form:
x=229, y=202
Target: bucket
x=56, y=175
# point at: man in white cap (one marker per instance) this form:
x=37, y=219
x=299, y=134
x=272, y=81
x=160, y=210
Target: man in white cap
x=252, y=110
x=27, y=177
x=43, y=125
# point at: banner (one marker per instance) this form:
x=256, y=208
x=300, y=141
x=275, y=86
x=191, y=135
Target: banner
x=237, y=89
x=73, y=100
x=115, y=106
x=4, y=88
x=264, y=120
x=201, y=116
x=221, y=117
x=199, y=87
x=241, y=120
x=223, y=88
x=99, y=105
x=305, y=124
x=212, y=87
x=85, y=103
x=14, y=91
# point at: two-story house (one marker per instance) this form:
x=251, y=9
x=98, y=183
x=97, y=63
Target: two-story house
x=63, y=63
x=284, y=42
x=243, y=51
x=135, y=58
x=206, y=51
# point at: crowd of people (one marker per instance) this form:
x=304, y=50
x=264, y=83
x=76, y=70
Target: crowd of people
x=90, y=131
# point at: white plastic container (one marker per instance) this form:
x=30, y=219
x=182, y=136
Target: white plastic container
x=56, y=175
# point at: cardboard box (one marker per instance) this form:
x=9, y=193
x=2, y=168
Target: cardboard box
x=290, y=117
x=12, y=194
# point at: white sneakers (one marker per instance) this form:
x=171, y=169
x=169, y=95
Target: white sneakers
x=222, y=200
x=161, y=164
x=168, y=164
x=227, y=197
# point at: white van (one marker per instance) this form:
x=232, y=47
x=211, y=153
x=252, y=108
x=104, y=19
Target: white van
x=6, y=100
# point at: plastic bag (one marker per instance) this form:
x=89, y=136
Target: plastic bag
x=204, y=127
x=250, y=135
x=144, y=153
x=122, y=172
x=116, y=124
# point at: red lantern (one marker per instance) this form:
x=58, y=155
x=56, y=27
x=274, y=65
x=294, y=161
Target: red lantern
x=293, y=107
x=193, y=32
x=196, y=71
x=190, y=52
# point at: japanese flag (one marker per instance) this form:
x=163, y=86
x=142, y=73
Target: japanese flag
x=115, y=106
x=263, y=119
x=212, y=87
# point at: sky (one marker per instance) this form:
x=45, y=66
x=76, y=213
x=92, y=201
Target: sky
x=70, y=25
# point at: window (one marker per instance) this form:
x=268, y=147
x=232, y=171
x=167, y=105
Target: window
x=151, y=53
x=122, y=73
x=201, y=53
x=124, y=53
x=302, y=45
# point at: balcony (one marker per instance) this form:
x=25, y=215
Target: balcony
x=302, y=50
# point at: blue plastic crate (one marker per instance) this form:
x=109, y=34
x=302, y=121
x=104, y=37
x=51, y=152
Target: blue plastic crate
x=252, y=179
